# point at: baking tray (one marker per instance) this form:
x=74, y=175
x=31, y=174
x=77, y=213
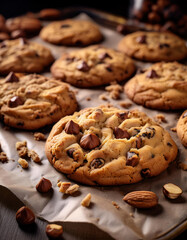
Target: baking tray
x=127, y=222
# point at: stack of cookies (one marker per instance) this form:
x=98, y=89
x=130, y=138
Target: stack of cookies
x=101, y=145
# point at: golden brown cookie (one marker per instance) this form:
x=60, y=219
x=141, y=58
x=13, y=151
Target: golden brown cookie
x=182, y=128
x=21, y=55
x=71, y=32
x=153, y=46
x=109, y=146
x=33, y=101
x=161, y=86
x=93, y=66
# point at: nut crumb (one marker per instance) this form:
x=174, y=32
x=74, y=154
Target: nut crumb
x=63, y=186
x=125, y=104
x=86, y=201
x=115, y=205
x=38, y=136
x=160, y=118
x=34, y=156
x=23, y=163
x=174, y=129
x=72, y=189
x=3, y=157
x=103, y=97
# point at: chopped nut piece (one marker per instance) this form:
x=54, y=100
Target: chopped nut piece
x=86, y=201
x=34, y=156
x=125, y=104
x=38, y=136
x=54, y=230
x=115, y=205
x=174, y=129
x=160, y=118
x=171, y=191
x=3, y=157
x=63, y=186
x=72, y=189
x=23, y=163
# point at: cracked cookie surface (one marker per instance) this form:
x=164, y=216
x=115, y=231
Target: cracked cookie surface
x=93, y=66
x=153, y=46
x=21, y=55
x=109, y=146
x=161, y=86
x=71, y=32
x=182, y=128
x=33, y=101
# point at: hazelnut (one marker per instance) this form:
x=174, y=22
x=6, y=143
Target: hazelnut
x=89, y=141
x=25, y=216
x=44, y=185
x=54, y=230
x=120, y=133
x=171, y=191
x=72, y=128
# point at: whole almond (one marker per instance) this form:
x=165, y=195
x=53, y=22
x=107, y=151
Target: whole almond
x=141, y=199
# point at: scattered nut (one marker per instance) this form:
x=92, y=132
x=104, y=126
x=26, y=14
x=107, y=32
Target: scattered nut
x=25, y=216
x=171, y=191
x=38, y=136
x=103, y=97
x=54, y=230
x=34, y=156
x=63, y=186
x=174, y=129
x=24, y=164
x=115, y=205
x=86, y=201
x=141, y=199
x=44, y=185
x=72, y=189
x=3, y=157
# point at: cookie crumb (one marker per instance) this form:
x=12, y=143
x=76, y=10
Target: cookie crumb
x=88, y=99
x=115, y=205
x=174, y=129
x=34, y=156
x=159, y=118
x=183, y=165
x=86, y=201
x=22, y=149
x=3, y=157
x=72, y=189
x=103, y=97
x=23, y=163
x=114, y=90
x=38, y=136
x=125, y=104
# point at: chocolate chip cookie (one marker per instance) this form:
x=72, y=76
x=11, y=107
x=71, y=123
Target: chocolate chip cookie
x=71, y=32
x=21, y=55
x=153, y=46
x=182, y=128
x=161, y=86
x=93, y=66
x=109, y=146
x=33, y=101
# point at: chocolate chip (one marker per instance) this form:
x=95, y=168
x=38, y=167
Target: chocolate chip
x=108, y=68
x=164, y=45
x=152, y=155
x=123, y=115
x=18, y=34
x=152, y=74
x=97, y=163
x=132, y=159
x=15, y=101
x=138, y=142
x=11, y=77
x=104, y=55
x=72, y=128
x=65, y=26
x=83, y=66
x=165, y=157
x=23, y=41
x=184, y=115
x=89, y=141
x=145, y=172
x=70, y=152
x=70, y=59
x=169, y=144
x=149, y=132
x=3, y=45
x=120, y=133
x=141, y=39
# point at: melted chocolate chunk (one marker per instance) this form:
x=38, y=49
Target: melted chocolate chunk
x=141, y=39
x=23, y=41
x=145, y=172
x=152, y=74
x=149, y=132
x=70, y=152
x=108, y=68
x=15, y=101
x=169, y=144
x=83, y=66
x=97, y=163
x=164, y=45
x=138, y=142
x=123, y=115
x=65, y=26
x=120, y=133
x=104, y=55
x=132, y=159
x=11, y=78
